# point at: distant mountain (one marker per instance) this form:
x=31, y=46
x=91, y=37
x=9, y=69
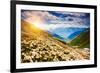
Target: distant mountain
x=74, y=35
x=67, y=33
x=58, y=36
x=55, y=35
x=83, y=40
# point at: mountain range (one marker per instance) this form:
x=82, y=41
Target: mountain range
x=38, y=45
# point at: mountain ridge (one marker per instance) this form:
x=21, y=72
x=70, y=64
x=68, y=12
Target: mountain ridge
x=39, y=46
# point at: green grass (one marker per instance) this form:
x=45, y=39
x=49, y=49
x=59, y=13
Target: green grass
x=82, y=41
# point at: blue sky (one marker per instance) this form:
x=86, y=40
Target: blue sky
x=62, y=23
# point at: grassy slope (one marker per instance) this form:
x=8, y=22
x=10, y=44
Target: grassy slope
x=83, y=40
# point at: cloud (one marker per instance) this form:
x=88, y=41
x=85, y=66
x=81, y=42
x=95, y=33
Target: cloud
x=56, y=26
x=74, y=14
x=35, y=15
x=49, y=21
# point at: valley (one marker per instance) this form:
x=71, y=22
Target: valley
x=39, y=46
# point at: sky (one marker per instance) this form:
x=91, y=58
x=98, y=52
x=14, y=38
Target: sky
x=62, y=23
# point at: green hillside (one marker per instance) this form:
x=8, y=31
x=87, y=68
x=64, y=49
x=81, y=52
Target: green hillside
x=82, y=41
